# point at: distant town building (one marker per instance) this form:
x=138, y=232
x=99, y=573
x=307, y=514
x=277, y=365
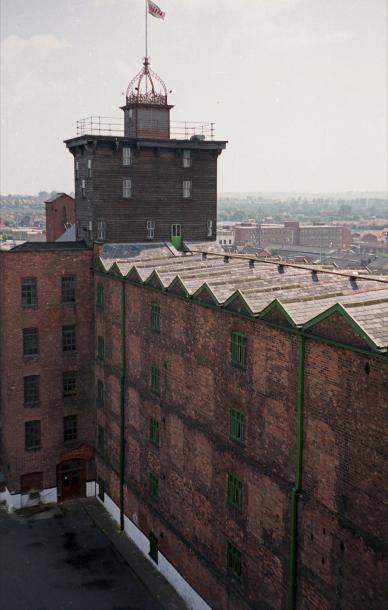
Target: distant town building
x=291, y=233
x=60, y=215
x=28, y=234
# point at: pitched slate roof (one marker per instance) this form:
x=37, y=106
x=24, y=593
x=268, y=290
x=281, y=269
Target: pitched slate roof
x=302, y=291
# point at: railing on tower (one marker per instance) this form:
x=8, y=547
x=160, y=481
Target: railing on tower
x=179, y=130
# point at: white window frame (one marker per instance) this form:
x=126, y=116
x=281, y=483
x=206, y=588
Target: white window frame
x=150, y=229
x=127, y=155
x=77, y=169
x=186, y=189
x=89, y=168
x=186, y=158
x=83, y=187
x=127, y=188
x=210, y=228
x=101, y=229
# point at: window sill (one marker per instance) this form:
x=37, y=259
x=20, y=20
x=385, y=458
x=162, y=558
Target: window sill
x=69, y=351
x=34, y=306
x=30, y=357
x=236, y=365
x=34, y=404
x=32, y=449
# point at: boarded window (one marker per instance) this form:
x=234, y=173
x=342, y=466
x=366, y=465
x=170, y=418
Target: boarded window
x=30, y=482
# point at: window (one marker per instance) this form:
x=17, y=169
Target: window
x=230, y=241
x=31, y=390
x=101, y=229
x=68, y=339
x=209, y=228
x=234, y=491
x=155, y=379
x=69, y=383
x=150, y=229
x=89, y=168
x=101, y=347
x=100, y=439
x=154, y=431
x=154, y=486
x=69, y=428
x=239, y=350
x=83, y=188
x=100, y=295
x=154, y=547
x=29, y=291
x=186, y=189
x=127, y=188
x=175, y=230
x=101, y=489
x=127, y=155
x=186, y=159
x=68, y=289
x=237, y=426
x=100, y=390
x=234, y=561
x=32, y=435
x=30, y=341
x=76, y=169
x=155, y=316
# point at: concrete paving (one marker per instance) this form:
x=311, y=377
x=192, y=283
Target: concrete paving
x=59, y=559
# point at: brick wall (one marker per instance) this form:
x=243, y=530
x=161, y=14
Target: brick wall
x=48, y=316
x=58, y=213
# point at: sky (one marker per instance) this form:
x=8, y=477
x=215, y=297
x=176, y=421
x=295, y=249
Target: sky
x=297, y=87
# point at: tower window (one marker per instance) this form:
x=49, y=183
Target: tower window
x=89, y=168
x=150, y=229
x=29, y=291
x=209, y=228
x=186, y=159
x=32, y=435
x=101, y=229
x=186, y=189
x=31, y=390
x=76, y=169
x=68, y=289
x=70, y=428
x=83, y=188
x=127, y=188
x=127, y=155
x=30, y=341
x=68, y=338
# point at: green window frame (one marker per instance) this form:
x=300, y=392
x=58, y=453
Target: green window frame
x=155, y=379
x=100, y=295
x=154, y=431
x=237, y=426
x=155, y=317
x=101, y=439
x=239, y=350
x=154, y=486
x=235, y=491
x=101, y=347
x=100, y=390
x=234, y=561
x=154, y=547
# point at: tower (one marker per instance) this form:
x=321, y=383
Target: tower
x=147, y=179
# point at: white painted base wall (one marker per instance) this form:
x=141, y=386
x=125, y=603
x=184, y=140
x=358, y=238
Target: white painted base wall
x=46, y=496
x=188, y=594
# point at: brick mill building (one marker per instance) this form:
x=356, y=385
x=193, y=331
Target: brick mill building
x=230, y=413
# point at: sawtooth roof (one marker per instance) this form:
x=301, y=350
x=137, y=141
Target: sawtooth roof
x=302, y=292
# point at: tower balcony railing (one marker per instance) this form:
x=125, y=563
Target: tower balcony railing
x=114, y=126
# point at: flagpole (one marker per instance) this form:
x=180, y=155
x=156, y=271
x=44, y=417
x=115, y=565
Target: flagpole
x=146, y=28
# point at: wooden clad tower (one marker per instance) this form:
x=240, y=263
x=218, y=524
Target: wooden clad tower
x=142, y=184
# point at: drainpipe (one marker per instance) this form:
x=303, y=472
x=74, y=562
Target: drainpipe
x=122, y=400
x=292, y=587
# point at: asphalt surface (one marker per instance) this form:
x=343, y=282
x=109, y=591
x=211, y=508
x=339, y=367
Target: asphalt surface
x=59, y=560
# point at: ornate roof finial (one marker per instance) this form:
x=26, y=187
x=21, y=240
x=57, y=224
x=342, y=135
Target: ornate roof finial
x=141, y=89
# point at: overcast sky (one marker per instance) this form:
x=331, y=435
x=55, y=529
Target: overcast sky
x=297, y=87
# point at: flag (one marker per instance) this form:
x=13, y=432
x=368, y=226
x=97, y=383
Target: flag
x=154, y=10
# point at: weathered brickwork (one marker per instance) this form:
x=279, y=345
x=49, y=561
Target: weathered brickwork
x=48, y=315
x=60, y=214
x=341, y=527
